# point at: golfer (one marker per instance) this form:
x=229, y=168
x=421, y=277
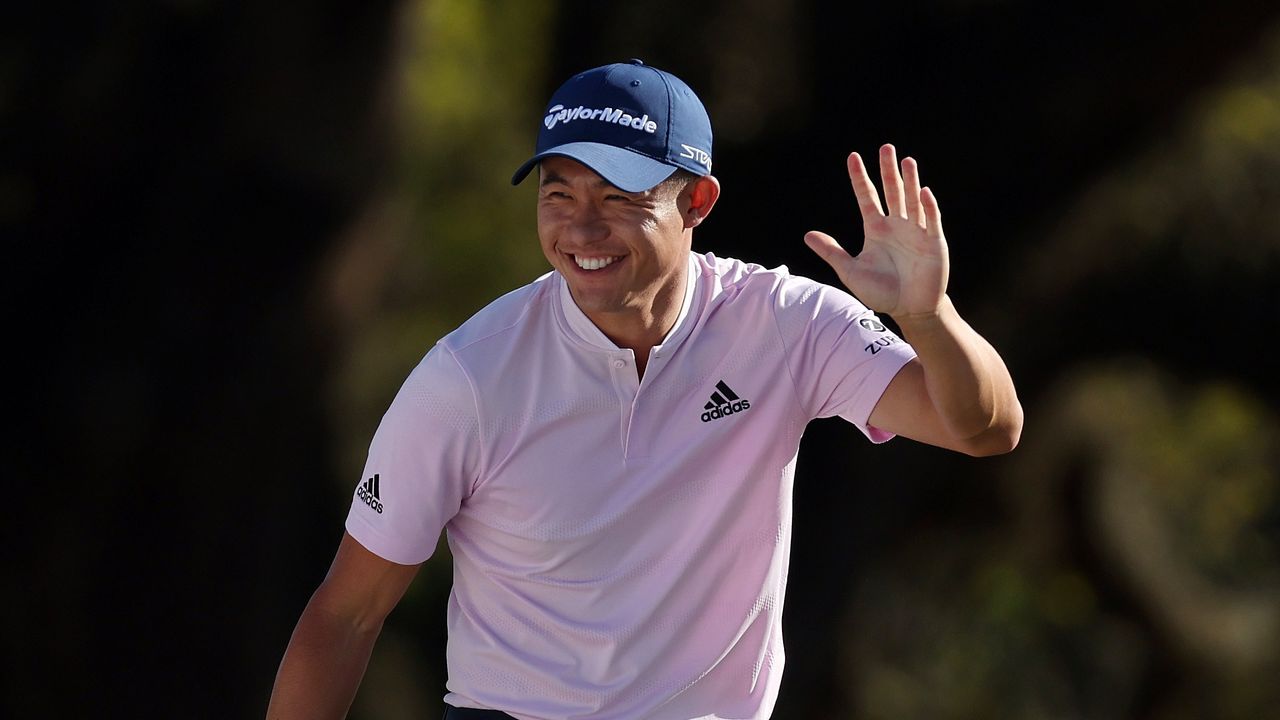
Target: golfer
x=610, y=449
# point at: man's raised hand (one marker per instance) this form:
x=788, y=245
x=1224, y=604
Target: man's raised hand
x=902, y=269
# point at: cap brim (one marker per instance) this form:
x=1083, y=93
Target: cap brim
x=626, y=170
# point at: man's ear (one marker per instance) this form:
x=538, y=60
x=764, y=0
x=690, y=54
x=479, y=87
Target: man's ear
x=697, y=199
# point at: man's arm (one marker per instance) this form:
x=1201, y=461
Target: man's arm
x=957, y=393
x=330, y=647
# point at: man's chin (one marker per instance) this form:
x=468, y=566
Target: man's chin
x=594, y=300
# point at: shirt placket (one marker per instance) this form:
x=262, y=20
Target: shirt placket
x=639, y=428
x=622, y=369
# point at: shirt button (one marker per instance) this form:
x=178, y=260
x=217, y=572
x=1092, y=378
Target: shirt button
x=619, y=363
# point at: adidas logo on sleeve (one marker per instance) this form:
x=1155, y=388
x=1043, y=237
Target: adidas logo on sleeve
x=368, y=492
x=723, y=403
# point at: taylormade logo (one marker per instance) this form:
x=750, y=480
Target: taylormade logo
x=561, y=114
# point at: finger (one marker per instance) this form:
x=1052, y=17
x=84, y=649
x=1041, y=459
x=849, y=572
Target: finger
x=868, y=199
x=911, y=174
x=828, y=249
x=892, y=181
x=932, y=213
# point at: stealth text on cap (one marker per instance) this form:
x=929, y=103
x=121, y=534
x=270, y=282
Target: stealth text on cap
x=560, y=114
x=697, y=155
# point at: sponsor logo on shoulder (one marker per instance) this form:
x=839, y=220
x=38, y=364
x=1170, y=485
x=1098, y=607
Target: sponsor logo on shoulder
x=723, y=403
x=887, y=338
x=872, y=324
x=368, y=492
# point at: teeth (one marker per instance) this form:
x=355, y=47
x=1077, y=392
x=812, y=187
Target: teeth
x=593, y=263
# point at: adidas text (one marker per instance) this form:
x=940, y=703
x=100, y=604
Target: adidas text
x=725, y=410
x=723, y=403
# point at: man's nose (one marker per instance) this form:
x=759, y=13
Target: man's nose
x=587, y=224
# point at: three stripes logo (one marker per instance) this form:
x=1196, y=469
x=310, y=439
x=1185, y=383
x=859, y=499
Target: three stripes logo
x=368, y=492
x=724, y=402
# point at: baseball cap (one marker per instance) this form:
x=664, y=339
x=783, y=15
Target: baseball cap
x=631, y=123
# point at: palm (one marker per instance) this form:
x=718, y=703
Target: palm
x=903, y=267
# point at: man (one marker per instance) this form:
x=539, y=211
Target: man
x=611, y=447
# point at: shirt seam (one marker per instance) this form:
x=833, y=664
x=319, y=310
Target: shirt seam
x=480, y=435
x=786, y=351
x=524, y=311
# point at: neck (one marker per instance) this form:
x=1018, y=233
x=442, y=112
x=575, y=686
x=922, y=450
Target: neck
x=639, y=330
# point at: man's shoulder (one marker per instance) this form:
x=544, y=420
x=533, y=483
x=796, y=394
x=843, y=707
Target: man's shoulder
x=735, y=278
x=795, y=301
x=728, y=273
x=502, y=315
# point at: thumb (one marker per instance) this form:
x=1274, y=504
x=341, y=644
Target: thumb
x=827, y=248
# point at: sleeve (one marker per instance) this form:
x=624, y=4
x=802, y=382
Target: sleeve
x=840, y=355
x=423, y=463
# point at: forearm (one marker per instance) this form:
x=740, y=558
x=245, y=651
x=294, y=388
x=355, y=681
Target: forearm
x=967, y=382
x=322, y=667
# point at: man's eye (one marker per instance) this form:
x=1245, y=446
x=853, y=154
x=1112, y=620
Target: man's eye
x=617, y=197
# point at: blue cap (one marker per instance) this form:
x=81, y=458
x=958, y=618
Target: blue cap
x=630, y=123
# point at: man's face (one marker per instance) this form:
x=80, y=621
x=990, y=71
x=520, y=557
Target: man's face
x=617, y=250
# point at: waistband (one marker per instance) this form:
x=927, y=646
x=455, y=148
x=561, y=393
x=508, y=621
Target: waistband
x=457, y=713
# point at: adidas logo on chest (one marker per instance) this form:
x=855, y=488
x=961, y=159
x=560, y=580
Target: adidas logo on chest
x=723, y=403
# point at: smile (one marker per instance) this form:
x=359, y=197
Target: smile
x=595, y=263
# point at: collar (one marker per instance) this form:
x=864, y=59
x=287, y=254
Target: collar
x=586, y=331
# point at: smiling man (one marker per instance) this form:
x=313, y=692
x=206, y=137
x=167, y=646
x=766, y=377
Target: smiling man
x=610, y=449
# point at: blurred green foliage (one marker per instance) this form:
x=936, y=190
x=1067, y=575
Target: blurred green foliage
x=1210, y=462
x=1203, y=192
x=1134, y=570
x=1175, y=487
x=453, y=233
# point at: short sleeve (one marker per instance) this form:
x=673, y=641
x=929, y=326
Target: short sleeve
x=840, y=355
x=422, y=463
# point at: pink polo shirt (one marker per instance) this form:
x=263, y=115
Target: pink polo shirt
x=620, y=548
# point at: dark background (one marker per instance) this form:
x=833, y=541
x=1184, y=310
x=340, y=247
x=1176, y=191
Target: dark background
x=234, y=227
